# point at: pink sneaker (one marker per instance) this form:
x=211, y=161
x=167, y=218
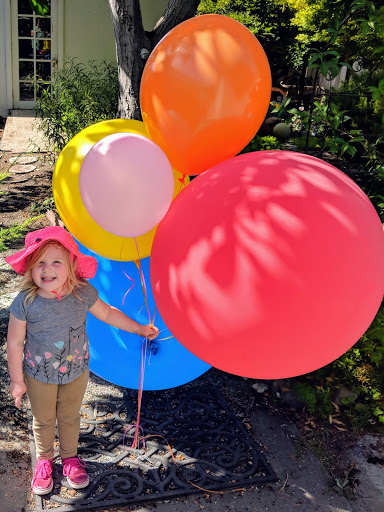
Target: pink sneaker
x=42, y=482
x=74, y=470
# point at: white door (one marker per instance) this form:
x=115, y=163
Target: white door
x=34, y=52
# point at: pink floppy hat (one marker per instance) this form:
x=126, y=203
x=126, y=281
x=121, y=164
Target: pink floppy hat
x=86, y=265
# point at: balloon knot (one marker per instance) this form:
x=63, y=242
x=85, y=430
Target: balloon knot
x=153, y=347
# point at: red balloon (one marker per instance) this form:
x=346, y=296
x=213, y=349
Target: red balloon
x=205, y=91
x=269, y=265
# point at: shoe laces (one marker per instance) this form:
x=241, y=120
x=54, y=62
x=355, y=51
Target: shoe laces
x=72, y=463
x=43, y=469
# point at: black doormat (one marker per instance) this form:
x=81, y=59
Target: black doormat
x=211, y=451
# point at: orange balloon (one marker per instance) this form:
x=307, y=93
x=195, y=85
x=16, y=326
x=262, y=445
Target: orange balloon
x=205, y=91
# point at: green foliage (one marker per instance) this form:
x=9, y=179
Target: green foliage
x=331, y=123
x=364, y=103
x=372, y=342
x=281, y=111
x=270, y=21
x=40, y=7
x=40, y=207
x=317, y=400
x=4, y=175
x=361, y=370
x=378, y=202
x=13, y=233
x=80, y=96
x=315, y=144
x=262, y=144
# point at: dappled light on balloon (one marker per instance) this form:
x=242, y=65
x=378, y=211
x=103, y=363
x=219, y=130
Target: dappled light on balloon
x=260, y=265
x=205, y=91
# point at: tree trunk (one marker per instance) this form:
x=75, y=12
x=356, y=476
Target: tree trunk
x=130, y=40
x=176, y=12
x=133, y=45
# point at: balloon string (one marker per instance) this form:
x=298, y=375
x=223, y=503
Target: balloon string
x=177, y=465
x=144, y=343
x=126, y=275
x=142, y=280
x=144, y=347
x=125, y=433
x=126, y=293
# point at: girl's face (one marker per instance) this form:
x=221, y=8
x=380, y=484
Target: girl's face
x=50, y=272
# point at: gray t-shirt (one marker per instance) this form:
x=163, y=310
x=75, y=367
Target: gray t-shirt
x=56, y=347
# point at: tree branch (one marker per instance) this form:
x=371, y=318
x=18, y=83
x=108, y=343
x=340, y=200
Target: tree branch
x=176, y=12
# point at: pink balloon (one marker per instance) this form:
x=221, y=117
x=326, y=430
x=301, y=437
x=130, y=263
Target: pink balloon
x=269, y=265
x=126, y=184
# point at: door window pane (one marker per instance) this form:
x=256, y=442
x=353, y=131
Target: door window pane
x=23, y=7
x=25, y=48
x=26, y=91
x=25, y=26
x=43, y=49
x=26, y=70
x=43, y=27
x=40, y=88
x=43, y=71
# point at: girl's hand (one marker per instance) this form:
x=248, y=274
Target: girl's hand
x=17, y=390
x=148, y=331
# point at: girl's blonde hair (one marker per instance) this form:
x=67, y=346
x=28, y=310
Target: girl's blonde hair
x=70, y=261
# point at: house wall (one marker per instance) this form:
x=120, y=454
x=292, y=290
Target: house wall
x=151, y=11
x=85, y=31
x=88, y=29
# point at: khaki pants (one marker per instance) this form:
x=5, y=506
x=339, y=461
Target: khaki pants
x=51, y=402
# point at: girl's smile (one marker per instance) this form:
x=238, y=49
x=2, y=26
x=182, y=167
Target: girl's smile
x=50, y=273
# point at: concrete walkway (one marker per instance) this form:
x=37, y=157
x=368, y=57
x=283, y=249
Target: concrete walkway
x=21, y=134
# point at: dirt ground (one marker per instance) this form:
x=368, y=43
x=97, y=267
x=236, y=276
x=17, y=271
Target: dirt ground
x=17, y=193
x=329, y=443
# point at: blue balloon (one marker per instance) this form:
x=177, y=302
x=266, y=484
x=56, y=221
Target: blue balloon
x=116, y=355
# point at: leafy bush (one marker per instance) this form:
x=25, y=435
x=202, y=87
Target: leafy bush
x=317, y=400
x=42, y=206
x=262, y=144
x=361, y=370
x=7, y=235
x=365, y=108
x=80, y=96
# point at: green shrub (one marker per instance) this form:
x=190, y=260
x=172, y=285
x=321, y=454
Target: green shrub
x=317, y=400
x=80, y=95
x=7, y=235
x=262, y=144
x=361, y=370
x=42, y=206
x=314, y=143
x=365, y=111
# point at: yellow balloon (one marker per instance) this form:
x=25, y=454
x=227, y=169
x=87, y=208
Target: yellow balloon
x=66, y=193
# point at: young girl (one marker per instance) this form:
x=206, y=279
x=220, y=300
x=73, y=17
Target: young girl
x=47, y=347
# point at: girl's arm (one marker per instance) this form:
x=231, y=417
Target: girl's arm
x=15, y=350
x=117, y=318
